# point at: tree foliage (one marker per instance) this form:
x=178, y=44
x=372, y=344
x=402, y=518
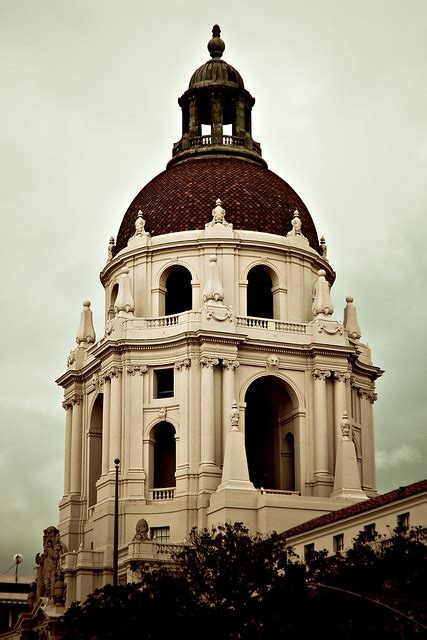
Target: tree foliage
x=226, y=584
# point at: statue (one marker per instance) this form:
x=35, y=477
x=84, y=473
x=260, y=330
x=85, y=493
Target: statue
x=141, y=529
x=296, y=225
x=48, y=567
x=218, y=215
x=323, y=248
x=110, y=249
x=140, y=224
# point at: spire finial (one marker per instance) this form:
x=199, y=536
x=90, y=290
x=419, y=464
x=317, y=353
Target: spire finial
x=216, y=45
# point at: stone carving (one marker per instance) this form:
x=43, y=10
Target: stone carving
x=71, y=358
x=86, y=332
x=337, y=328
x=141, y=531
x=114, y=372
x=345, y=426
x=219, y=312
x=49, y=578
x=110, y=250
x=321, y=374
x=272, y=361
x=296, y=225
x=183, y=364
x=230, y=364
x=218, y=215
x=132, y=370
x=234, y=416
x=162, y=413
x=324, y=248
x=350, y=320
x=322, y=303
x=67, y=404
x=341, y=376
x=208, y=363
x=140, y=225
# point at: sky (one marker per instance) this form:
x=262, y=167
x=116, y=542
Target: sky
x=88, y=116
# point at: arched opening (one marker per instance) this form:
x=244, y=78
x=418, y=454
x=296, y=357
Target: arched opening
x=178, y=291
x=113, y=297
x=95, y=448
x=260, y=293
x=164, y=456
x=269, y=434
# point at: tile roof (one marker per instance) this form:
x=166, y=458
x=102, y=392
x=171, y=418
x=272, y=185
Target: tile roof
x=359, y=507
x=182, y=197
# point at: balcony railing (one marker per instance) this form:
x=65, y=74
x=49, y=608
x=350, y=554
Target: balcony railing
x=271, y=325
x=166, y=493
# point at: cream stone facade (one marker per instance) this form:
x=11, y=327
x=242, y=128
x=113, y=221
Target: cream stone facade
x=222, y=380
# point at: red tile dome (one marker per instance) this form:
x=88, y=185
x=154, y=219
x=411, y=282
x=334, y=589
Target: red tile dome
x=182, y=197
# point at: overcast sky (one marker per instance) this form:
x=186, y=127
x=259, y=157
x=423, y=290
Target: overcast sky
x=88, y=116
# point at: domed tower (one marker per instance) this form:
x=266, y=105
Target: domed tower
x=222, y=381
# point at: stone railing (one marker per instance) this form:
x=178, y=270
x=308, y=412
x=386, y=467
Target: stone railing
x=235, y=140
x=163, y=321
x=166, y=493
x=201, y=141
x=271, y=325
x=278, y=492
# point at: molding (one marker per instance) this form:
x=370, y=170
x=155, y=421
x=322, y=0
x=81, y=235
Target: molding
x=132, y=370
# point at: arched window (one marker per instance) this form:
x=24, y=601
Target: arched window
x=260, y=293
x=95, y=448
x=113, y=297
x=178, y=291
x=269, y=418
x=164, y=456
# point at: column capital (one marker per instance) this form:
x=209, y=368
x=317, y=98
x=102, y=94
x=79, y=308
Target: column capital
x=341, y=376
x=321, y=374
x=114, y=372
x=67, y=404
x=208, y=363
x=132, y=370
x=183, y=364
x=230, y=365
x=76, y=399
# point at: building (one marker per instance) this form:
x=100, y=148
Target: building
x=222, y=381
x=13, y=599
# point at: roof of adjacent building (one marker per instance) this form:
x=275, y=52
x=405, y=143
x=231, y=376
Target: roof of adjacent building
x=182, y=197
x=358, y=508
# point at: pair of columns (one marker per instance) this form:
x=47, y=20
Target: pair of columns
x=321, y=454
x=207, y=405
x=111, y=431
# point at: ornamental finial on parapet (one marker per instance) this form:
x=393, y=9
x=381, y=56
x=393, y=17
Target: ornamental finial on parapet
x=140, y=225
x=324, y=248
x=86, y=332
x=218, y=215
x=216, y=45
x=322, y=303
x=351, y=324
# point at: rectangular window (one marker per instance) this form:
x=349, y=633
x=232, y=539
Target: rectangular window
x=308, y=550
x=370, y=532
x=206, y=129
x=163, y=383
x=338, y=542
x=162, y=535
x=403, y=521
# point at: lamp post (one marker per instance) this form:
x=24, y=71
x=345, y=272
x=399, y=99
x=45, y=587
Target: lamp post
x=116, y=526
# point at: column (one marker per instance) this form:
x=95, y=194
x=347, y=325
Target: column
x=216, y=131
x=340, y=405
x=136, y=422
x=76, y=446
x=106, y=424
x=183, y=373
x=228, y=396
x=115, y=416
x=368, y=445
x=207, y=424
x=320, y=421
x=68, y=406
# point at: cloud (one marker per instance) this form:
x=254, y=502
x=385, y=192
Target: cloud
x=400, y=455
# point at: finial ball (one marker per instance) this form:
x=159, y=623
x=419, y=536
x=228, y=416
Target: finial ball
x=86, y=303
x=349, y=299
x=216, y=45
x=321, y=272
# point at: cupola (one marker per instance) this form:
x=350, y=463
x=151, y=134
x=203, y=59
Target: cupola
x=216, y=111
